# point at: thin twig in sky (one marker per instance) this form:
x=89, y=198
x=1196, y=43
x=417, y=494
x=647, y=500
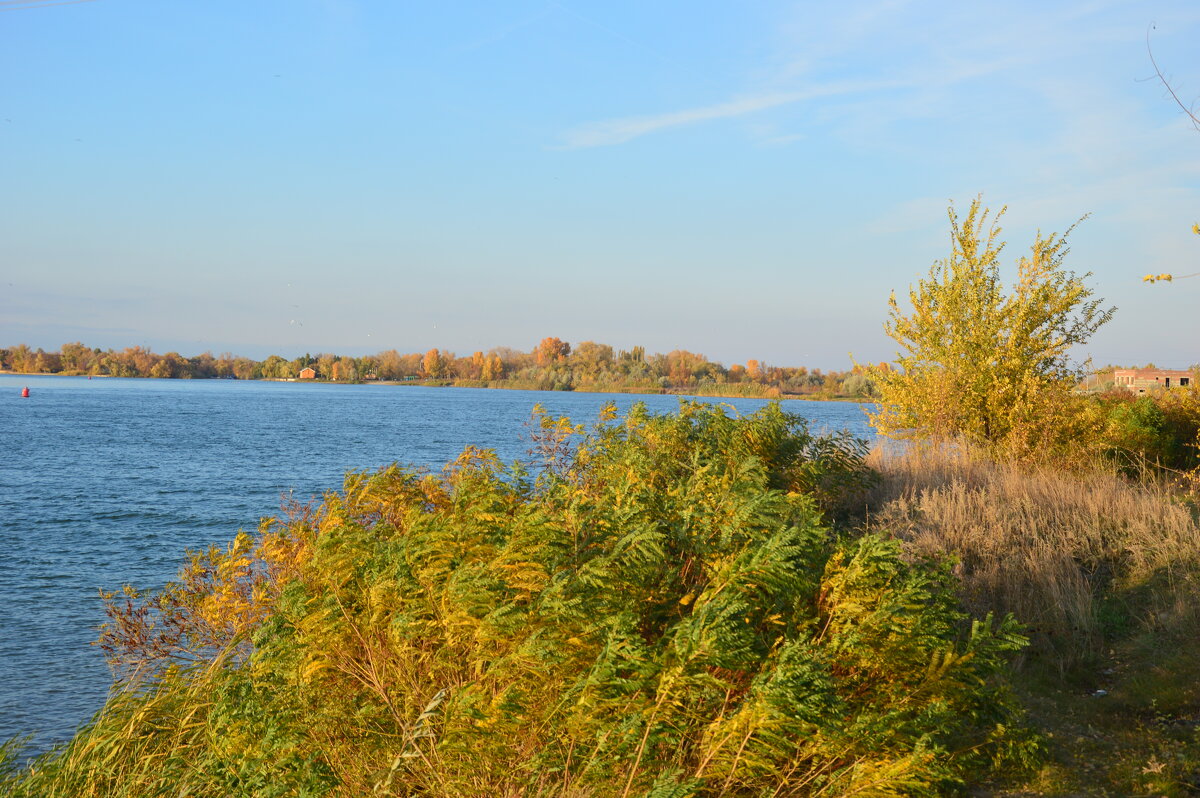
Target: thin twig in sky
x=1170, y=89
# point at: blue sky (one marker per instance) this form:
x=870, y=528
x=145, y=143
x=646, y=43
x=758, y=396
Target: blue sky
x=742, y=179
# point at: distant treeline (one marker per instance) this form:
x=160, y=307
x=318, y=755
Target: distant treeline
x=552, y=365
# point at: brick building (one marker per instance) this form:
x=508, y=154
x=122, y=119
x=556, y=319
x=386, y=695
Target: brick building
x=1142, y=380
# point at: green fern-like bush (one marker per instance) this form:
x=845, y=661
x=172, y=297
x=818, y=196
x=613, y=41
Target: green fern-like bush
x=657, y=608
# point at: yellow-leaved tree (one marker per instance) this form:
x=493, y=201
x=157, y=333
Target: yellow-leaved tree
x=981, y=363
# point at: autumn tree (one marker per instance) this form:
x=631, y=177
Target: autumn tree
x=434, y=364
x=684, y=368
x=170, y=366
x=551, y=351
x=274, y=368
x=981, y=363
x=513, y=359
x=592, y=358
x=19, y=357
x=388, y=365
x=475, y=371
x=45, y=363
x=203, y=365
x=493, y=368
x=141, y=360
x=344, y=369
x=395, y=366
x=324, y=364
x=76, y=358
x=367, y=366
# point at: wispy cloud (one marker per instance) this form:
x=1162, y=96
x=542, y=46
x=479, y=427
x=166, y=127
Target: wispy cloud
x=620, y=131
x=890, y=47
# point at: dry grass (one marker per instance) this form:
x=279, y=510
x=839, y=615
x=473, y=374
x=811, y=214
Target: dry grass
x=1077, y=556
x=1105, y=573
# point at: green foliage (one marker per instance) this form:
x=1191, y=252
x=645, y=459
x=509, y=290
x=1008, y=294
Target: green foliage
x=980, y=363
x=655, y=608
x=858, y=385
x=1160, y=429
x=1139, y=427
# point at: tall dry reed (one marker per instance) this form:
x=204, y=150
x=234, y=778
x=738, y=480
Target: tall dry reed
x=1078, y=555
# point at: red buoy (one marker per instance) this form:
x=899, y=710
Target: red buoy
x=25, y=393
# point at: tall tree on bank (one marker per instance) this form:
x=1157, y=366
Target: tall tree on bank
x=551, y=351
x=434, y=364
x=981, y=363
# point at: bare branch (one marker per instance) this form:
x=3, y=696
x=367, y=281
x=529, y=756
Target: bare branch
x=1166, y=83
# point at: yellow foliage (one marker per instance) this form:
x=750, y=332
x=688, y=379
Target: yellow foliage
x=982, y=363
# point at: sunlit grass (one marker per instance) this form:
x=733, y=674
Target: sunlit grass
x=1105, y=572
